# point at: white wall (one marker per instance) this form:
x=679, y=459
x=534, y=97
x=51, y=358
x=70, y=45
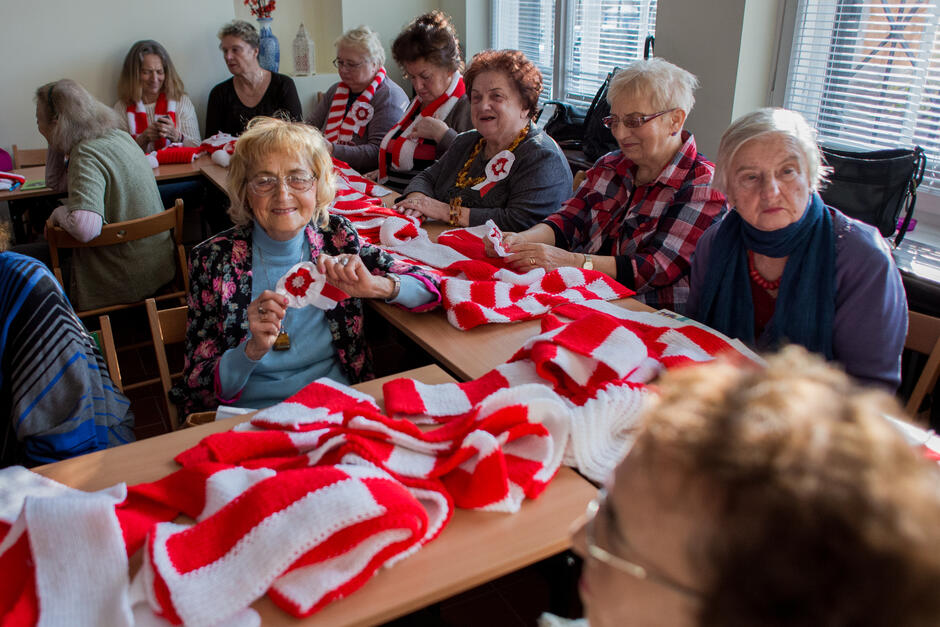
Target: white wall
x=86, y=40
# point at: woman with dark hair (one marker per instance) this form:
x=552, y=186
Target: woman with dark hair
x=429, y=53
x=109, y=180
x=152, y=101
x=252, y=90
x=505, y=170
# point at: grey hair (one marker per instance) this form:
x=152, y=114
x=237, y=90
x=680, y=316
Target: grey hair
x=666, y=85
x=245, y=31
x=365, y=39
x=77, y=114
x=790, y=125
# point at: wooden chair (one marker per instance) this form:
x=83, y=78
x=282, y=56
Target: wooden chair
x=579, y=177
x=123, y=232
x=28, y=157
x=167, y=326
x=923, y=336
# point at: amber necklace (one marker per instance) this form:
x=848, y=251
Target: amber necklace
x=463, y=177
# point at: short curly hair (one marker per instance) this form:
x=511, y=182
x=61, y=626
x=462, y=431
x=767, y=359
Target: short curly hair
x=245, y=31
x=822, y=513
x=521, y=72
x=666, y=85
x=431, y=37
x=264, y=137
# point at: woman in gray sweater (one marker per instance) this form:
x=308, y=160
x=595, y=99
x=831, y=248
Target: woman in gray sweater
x=506, y=169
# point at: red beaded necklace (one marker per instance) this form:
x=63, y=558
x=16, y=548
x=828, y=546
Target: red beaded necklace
x=756, y=276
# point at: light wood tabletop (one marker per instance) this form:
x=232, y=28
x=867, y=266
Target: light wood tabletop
x=475, y=547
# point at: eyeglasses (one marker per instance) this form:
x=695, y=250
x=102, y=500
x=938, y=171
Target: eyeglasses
x=624, y=565
x=339, y=63
x=264, y=185
x=632, y=121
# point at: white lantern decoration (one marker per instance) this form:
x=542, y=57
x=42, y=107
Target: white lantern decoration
x=304, y=61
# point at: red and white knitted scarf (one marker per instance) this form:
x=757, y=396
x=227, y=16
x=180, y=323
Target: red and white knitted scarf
x=399, y=150
x=137, y=117
x=340, y=125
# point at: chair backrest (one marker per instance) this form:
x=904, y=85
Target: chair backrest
x=109, y=351
x=579, y=177
x=28, y=157
x=167, y=326
x=123, y=232
x=923, y=336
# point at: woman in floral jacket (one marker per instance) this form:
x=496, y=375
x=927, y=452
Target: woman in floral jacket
x=260, y=328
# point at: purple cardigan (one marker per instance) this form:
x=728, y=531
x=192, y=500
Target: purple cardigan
x=870, y=322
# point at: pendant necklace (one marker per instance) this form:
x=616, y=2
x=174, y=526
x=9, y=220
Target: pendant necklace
x=282, y=342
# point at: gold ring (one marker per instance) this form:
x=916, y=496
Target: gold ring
x=260, y=310
x=531, y=261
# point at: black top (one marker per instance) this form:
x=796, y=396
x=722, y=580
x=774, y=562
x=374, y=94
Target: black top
x=225, y=113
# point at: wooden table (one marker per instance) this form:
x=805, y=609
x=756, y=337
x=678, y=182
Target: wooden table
x=475, y=547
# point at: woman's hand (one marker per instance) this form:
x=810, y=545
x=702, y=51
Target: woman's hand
x=372, y=175
x=526, y=256
x=418, y=205
x=264, y=323
x=511, y=241
x=164, y=128
x=429, y=128
x=348, y=273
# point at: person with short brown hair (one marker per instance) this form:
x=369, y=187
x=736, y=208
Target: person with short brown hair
x=779, y=496
x=506, y=169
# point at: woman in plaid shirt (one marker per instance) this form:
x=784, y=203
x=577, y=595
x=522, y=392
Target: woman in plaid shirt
x=640, y=211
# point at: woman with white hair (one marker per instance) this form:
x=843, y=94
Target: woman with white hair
x=109, y=180
x=357, y=112
x=640, y=211
x=785, y=268
x=252, y=90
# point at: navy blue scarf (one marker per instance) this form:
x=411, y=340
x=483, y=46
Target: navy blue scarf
x=805, y=305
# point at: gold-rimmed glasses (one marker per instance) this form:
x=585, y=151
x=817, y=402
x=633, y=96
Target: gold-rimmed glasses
x=264, y=185
x=632, y=121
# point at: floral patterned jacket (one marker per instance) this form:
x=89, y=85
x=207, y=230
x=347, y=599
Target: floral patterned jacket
x=220, y=292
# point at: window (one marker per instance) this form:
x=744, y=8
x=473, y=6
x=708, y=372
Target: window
x=575, y=43
x=866, y=74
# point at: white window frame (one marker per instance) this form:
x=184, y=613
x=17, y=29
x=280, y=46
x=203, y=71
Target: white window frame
x=563, y=27
x=927, y=212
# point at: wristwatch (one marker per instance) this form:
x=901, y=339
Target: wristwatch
x=588, y=263
x=396, y=289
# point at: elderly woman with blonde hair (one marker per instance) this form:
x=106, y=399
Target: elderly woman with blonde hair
x=252, y=91
x=357, y=112
x=253, y=336
x=781, y=496
x=641, y=209
x=785, y=268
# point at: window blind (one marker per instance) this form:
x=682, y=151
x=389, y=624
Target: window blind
x=529, y=26
x=598, y=36
x=866, y=74
x=604, y=34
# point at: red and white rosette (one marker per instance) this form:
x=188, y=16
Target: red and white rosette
x=304, y=285
x=496, y=170
x=495, y=235
x=361, y=114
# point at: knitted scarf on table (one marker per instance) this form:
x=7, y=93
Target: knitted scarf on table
x=402, y=152
x=342, y=125
x=306, y=503
x=137, y=117
x=805, y=307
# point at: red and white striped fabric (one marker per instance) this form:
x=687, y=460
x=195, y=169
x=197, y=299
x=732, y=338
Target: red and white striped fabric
x=480, y=291
x=137, y=117
x=305, y=503
x=340, y=125
x=357, y=199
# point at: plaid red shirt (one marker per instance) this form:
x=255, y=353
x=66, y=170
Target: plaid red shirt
x=651, y=229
